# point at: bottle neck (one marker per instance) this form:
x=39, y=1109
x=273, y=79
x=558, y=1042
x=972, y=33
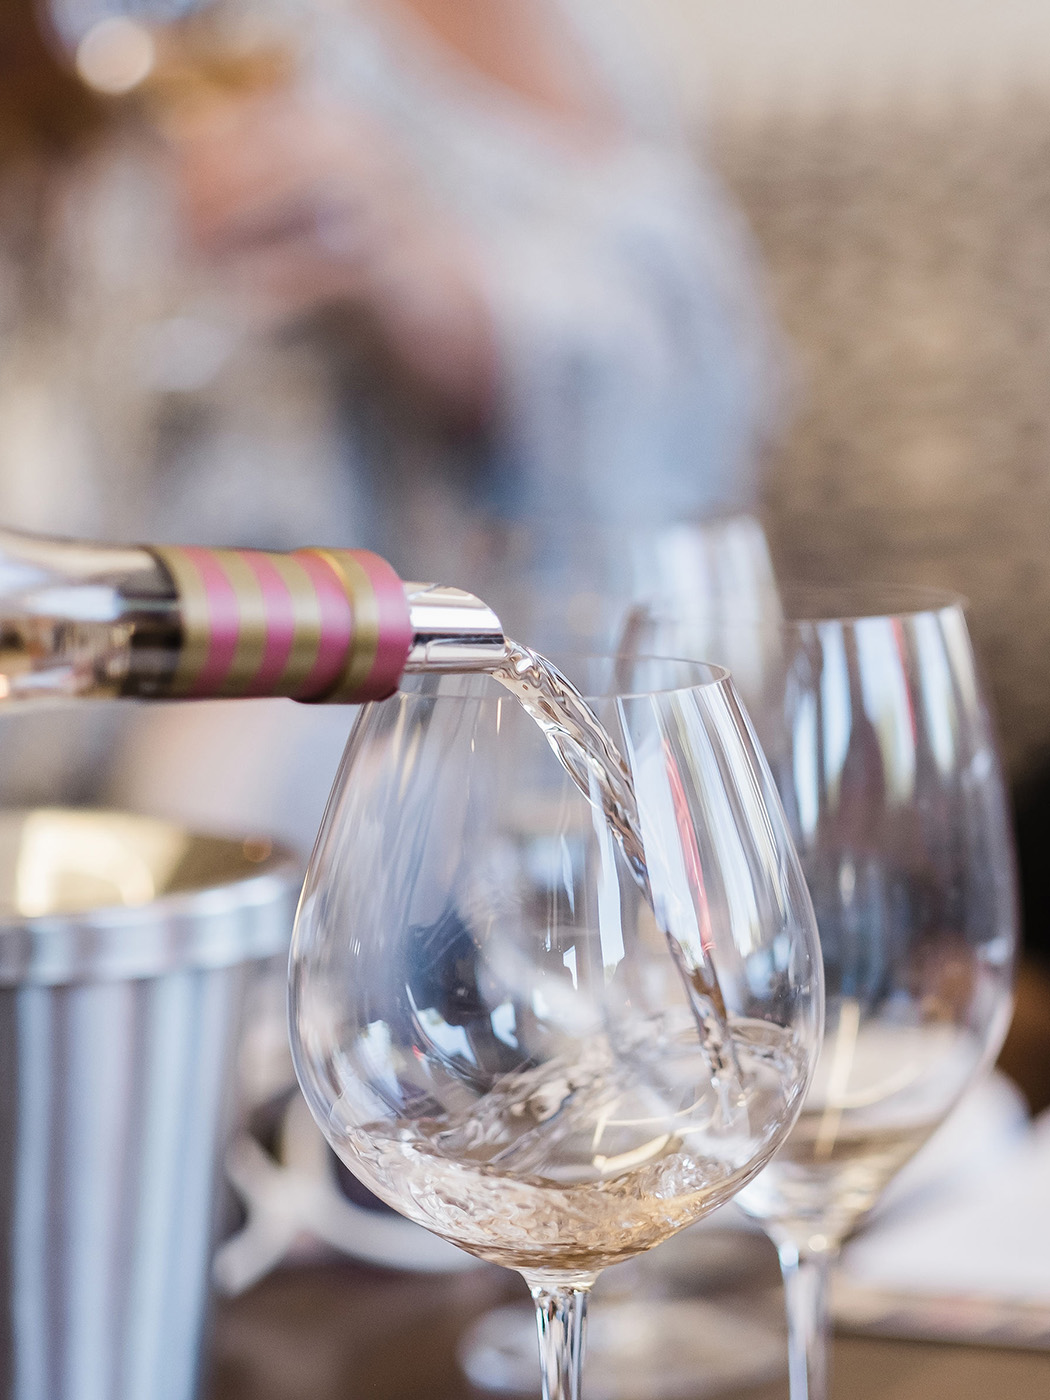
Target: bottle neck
x=167, y=622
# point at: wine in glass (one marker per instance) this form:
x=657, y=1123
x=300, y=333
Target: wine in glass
x=871, y=715
x=487, y=1019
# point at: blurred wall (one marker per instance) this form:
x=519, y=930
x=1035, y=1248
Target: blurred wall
x=750, y=53
x=893, y=158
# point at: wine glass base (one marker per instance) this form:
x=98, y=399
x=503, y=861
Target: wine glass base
x=658, y=1349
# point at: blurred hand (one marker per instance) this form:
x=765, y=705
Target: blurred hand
x=313, y=208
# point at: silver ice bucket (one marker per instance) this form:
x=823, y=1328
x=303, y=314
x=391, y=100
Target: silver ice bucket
x=126, y=945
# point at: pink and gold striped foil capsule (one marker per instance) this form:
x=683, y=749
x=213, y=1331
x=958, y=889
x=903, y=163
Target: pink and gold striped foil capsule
x=327, y=625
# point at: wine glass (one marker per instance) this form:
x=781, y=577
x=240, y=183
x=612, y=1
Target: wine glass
x=487, y=1019
x=593, y=586
x=871, y=715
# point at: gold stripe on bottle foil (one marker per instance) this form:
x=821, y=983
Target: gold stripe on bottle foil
x=307, y=612
x=193, y=614
x=252, y=621
x=365, y=643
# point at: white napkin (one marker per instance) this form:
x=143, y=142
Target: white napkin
x=960, y=1248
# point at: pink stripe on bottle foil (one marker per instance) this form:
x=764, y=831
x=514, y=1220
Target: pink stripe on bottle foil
x=395, y=627
x=280, y=623
x=223, y=621
x=337, y=627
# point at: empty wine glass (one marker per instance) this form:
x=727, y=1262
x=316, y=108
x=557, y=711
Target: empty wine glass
x=871, y=715
x=487, y=1022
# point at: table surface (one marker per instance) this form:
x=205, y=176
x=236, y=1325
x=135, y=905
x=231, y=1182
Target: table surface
x=337, y=1331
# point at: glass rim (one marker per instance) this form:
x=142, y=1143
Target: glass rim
x=708, y=675
x=797, y=605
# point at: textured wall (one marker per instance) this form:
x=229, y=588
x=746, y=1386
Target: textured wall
x=908, y=253
x=750, y=53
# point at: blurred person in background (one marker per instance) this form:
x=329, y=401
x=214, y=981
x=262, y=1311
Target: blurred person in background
x=457, y=265
x=543, y=302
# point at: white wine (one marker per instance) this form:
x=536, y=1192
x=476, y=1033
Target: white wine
x=880, y=1090
x=607, y=1164
x=827, y=1187
x=571, y=1166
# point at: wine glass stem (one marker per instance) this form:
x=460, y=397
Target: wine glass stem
x=806, y=1272
x=561, y=1316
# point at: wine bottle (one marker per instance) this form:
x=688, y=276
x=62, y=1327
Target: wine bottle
x=166, y=622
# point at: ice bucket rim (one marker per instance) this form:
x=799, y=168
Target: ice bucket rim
x=217, y=924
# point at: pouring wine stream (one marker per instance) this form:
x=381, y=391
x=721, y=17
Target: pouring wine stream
x=587, y=752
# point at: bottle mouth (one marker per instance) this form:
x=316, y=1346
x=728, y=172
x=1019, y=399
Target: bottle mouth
x=452, y=630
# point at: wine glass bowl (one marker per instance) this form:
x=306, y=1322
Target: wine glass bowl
x=870, y=711
x=487, y=1020
x=884, y=756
